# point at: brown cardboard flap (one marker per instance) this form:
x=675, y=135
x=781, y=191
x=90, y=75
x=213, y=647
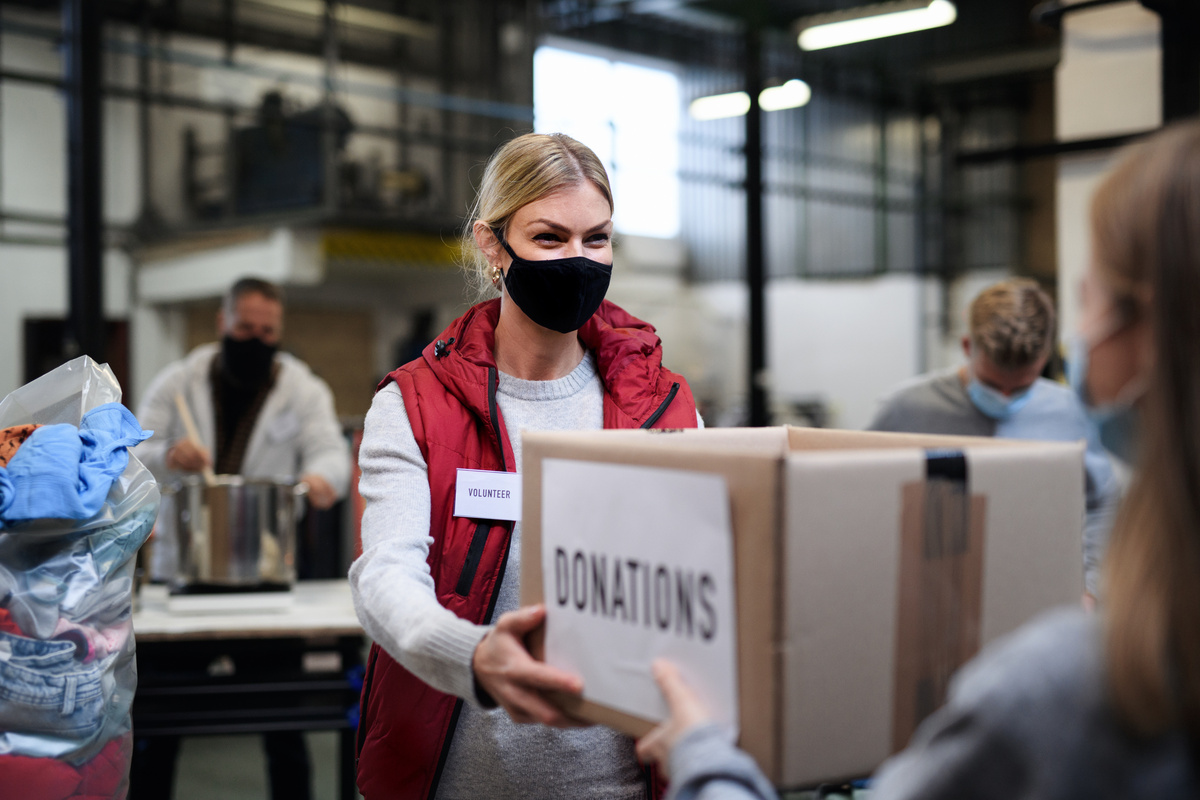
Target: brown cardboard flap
x=767, y=441
x=833, y=439
x=750, y=463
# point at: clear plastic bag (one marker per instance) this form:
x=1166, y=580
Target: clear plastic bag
x=67, y=669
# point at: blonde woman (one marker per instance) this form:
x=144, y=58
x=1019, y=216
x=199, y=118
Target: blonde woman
x=449, y=677
x=1072, y=705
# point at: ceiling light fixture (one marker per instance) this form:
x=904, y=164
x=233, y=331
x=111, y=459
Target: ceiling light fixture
x=793, y=94
x=873, y=22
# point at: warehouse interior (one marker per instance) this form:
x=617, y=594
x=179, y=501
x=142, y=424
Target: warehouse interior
x=797, y=263
x=926, y=163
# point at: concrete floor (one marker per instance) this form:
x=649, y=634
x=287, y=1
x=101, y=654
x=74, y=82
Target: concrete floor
x=234, y=768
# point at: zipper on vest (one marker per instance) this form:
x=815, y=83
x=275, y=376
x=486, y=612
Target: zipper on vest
x=494, y=414
x=479, y=539
x=662, y=409
x=474, y=554
x=472, y=564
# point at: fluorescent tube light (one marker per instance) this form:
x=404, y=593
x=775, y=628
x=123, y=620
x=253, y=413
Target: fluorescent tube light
x=719, y=106
x=793, y=94
x=874, y=22
x=355, y=16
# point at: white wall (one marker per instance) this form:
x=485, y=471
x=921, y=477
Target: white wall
x=35, y=285
x=1108, y=82
x=843, y=343
x=33, y=181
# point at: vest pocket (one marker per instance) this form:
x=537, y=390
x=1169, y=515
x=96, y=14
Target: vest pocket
x=474, y=554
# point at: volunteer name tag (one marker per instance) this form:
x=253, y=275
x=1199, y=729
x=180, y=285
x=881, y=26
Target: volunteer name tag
x=484, y=494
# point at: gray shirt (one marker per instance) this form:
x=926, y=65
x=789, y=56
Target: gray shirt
x=490, y=755
x=1028, y=718
x=939, y=403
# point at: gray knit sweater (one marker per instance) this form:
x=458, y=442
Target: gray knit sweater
x=1028, y=718
x=490, y=755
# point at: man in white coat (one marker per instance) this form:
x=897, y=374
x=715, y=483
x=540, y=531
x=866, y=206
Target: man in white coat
x=259, y=413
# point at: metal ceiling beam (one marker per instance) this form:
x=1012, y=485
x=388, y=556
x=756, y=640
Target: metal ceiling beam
x=169, y=19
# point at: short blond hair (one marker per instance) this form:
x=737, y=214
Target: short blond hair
x=523, y=170
x=1012, y=322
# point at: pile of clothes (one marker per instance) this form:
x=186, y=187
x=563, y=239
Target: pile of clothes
x=73, y=512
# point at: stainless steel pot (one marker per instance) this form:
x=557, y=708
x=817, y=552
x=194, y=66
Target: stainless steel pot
x=237, y=534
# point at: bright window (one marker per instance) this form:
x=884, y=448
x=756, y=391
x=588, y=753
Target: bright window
x=629, y=115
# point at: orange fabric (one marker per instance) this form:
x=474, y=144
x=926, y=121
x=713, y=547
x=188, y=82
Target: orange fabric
x=7, y=625
x=11, y=439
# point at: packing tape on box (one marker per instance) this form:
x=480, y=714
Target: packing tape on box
x=941, y=588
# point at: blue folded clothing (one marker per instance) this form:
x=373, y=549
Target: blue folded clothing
x=64, y=472
x=6, y=493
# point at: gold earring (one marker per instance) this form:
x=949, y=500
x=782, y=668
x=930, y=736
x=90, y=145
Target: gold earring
x=496, y=275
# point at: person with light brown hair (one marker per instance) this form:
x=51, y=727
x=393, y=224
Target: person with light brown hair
x=1012, y=325
x=449, y=679
x=999, y=392
x=1074, y=705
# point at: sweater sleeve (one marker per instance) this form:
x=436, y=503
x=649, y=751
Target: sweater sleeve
x=157, y=413
x=705, y=766
x=391, y=583
x=323, y=449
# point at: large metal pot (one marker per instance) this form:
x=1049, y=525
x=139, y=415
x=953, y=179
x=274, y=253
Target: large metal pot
x=237, y=534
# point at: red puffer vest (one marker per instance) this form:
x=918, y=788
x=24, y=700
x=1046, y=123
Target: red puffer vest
x=450, y=395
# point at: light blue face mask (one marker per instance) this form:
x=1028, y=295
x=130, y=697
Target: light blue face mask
x=1116, y=423
x=994, y=404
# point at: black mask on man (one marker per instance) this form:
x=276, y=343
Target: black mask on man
x=559, y=293
x=247, y=362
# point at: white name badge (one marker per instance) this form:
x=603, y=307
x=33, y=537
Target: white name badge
x=485, y=494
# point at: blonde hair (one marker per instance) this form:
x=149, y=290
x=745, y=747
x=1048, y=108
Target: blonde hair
x=523, y=170
x=1012, y=322
x=1145, y=221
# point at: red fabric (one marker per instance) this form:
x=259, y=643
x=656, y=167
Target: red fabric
x=38, y=778
x=405, y=723
x=7, y=624
x=105, y=777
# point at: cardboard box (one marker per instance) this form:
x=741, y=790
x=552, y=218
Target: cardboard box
x=869, y=566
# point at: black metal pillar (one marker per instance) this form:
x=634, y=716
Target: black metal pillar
x=81, y=21
x=1180, y=26
x=329, y=134
x=755, y=263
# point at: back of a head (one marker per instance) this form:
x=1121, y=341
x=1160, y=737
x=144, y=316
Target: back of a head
x=521, y=171
x=1146, y=251
x=1012, y=322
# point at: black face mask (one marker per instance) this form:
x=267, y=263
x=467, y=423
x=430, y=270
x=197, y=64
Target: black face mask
x=247, y=362
x=559, y=293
